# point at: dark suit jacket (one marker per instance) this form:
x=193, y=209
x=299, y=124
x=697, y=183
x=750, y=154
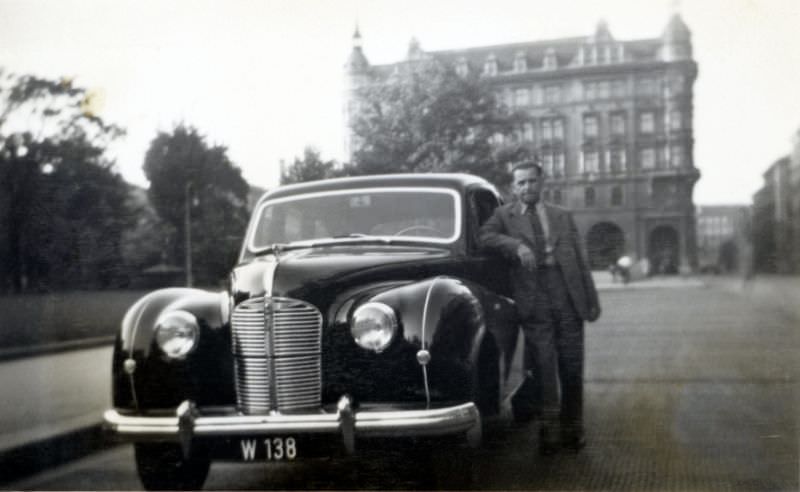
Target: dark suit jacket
x=508, y=227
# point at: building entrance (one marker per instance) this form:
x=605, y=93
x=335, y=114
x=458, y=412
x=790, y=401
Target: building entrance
x=663, y=250
x=605, y=243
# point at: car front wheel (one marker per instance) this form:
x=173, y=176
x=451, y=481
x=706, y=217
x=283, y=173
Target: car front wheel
x=161, y=466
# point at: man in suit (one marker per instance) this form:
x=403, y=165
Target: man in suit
x=554, y=294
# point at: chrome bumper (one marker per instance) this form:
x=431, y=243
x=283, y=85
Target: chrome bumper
x=348, y=424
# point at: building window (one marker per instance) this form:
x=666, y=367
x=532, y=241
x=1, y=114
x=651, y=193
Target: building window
x=550, y=61
x=552, y=94
x=552, y=129
x=676, y=156
x=557, y=197
x=558, y=129
x=647, y=158
x=618, y=124
x=520, y=63
x=675, y=120
x=590, y=161
x=559, y=164
x=616, y=196
x=536, y=95
x=588, y=196
x=547, y=164
x=616, y=160
x=527, y=132
x=547, y=130
x=508, y=98
x=546, y=195
x=490, y=67
x=647, y=122
x=462, y=68
x=522, y=97
x=590, y=126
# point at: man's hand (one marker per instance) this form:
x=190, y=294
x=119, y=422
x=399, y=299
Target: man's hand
x=526, y=257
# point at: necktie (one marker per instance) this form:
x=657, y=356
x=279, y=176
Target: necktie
x=538, y=236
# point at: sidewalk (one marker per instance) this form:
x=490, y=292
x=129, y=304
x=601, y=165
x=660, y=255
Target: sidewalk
x=51, y=408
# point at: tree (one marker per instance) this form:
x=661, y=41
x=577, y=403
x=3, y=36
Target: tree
x=184, y=171
x=62, y=206
x=310, y=168
x=427, y=118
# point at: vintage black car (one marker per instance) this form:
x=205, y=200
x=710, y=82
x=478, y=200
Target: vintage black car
x=360, y=308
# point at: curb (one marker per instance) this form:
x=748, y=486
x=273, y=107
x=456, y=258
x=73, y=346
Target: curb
x=12, y=353
x=29, y=459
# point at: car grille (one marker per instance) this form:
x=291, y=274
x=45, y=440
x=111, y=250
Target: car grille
x=276, y=347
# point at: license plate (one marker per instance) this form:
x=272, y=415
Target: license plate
x=282, y=448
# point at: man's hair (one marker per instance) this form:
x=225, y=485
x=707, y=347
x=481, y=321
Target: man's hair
x=527, y=164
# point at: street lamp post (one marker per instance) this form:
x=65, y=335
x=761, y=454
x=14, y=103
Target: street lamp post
x=188, y=234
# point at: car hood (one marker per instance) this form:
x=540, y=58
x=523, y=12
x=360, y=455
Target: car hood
x=312, y=274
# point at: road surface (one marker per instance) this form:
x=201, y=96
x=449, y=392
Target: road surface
x=687, y=389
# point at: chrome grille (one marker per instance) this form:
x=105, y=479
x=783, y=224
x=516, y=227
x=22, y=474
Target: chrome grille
x=276, y=346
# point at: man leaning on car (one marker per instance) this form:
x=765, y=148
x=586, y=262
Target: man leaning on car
x=554, y=293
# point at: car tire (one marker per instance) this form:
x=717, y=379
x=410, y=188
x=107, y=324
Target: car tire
x=161, y=466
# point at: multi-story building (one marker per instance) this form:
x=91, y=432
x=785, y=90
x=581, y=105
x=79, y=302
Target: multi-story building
x=723, y=235
x=774, y=220
x=793, y=212
x=612, y=123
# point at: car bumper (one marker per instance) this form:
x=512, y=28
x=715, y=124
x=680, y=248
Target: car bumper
x=345, y=423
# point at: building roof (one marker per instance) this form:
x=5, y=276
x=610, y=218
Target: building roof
x=565, y=49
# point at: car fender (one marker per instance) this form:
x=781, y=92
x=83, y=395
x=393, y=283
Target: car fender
x=145, y=377
x=460, y=330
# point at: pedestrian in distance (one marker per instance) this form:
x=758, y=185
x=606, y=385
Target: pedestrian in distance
x=554, y=294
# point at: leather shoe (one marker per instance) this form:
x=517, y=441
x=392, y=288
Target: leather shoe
x=548, y=446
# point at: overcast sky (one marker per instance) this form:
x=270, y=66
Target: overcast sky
x=265, y=78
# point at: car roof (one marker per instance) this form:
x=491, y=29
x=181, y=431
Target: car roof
x=456, y=181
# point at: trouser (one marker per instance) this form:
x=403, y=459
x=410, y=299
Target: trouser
x=554, y=343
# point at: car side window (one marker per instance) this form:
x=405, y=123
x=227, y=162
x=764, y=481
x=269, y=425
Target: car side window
x=481, y=204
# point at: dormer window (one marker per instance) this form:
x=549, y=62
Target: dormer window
x=462, y=68
x=520, y=62
x=490, y=67
x=550, y=61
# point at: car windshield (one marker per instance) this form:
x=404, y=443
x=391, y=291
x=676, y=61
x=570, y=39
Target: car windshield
x=426, y=214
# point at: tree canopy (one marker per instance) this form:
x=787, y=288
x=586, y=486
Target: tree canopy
x=428, y=118
x=63, y=208
x=310, y=168
x=185, y=171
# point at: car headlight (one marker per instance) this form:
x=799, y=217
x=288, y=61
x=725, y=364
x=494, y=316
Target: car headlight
x=373, y=326
x=177, y=333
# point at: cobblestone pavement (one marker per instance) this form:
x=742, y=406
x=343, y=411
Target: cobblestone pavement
x=687, y=389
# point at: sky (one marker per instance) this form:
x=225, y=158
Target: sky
x=265, y=77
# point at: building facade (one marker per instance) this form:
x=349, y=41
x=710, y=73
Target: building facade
x=775, y=220
x=723, y=237
x=611, y=121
